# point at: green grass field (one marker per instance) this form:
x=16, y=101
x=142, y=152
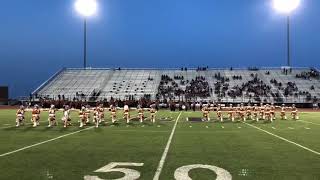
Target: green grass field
x=283, y=150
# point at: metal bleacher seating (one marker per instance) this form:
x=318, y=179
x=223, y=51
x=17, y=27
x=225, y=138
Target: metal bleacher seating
x=123, y=84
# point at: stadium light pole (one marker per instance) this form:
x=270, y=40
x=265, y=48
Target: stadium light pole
x=287, y=7
x=86, y=8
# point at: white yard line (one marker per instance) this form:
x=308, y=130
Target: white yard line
x=309, y=122
x=284, y=139
x=165, y=152
x=43, y=142
x=26, y=125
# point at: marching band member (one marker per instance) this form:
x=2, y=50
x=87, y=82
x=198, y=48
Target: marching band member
x=237, y=110
x=283, y=112
x=261, y=112
x=294, y=112
x=52, y=116
x=35, y=116
x=153, y=113
x=267, y=113
x=66, y=116
x=113, y=113
x=248, y=112
x=205, y=112
x=219, y=113
x=126, y=114
x=87, y=114
x=140, y=114
x=231, y=113
x=272, y=111
x=256, y=112
x=82, y=116
x=20, y=116
x=242, y=112
x=101, y=113
x=96, y=116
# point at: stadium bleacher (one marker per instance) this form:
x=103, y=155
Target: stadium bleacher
x=281, y=85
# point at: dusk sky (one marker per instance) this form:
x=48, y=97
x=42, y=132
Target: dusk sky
x=39, y=37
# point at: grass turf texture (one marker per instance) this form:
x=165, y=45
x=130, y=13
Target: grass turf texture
x=242, y=150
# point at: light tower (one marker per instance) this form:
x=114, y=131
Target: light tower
x=286, y=7
x=86, y=8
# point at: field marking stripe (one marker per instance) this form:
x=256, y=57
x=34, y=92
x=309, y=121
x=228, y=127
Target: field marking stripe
x=43, y=142
x=11, y=126
x=284, y=139
x=309, y=122
x=165, y=152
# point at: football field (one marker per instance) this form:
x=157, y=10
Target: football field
x=172, y=148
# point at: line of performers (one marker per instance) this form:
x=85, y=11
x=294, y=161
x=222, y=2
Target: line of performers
x=265, y=112
x=84, y=115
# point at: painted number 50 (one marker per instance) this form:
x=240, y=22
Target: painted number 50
x=181, y=173
x=129, y=174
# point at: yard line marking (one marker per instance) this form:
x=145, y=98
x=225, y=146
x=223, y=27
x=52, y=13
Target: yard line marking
x=239, y=127
x=290, y=127
x=307, y=128
x=25, y=125
x=148, y=131
x=273, y=127
x=284, y=139
x=43, y=142
x=309, y=122
x=165, y=152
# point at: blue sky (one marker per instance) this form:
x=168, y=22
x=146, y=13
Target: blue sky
x=40, y=37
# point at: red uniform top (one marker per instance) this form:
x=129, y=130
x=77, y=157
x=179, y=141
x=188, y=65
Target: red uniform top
x=82, y=113
x=35, y=111
x=20, y=111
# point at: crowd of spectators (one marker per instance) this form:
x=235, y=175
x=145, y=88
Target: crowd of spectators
x=169, y=88
x=308, y=74
x=198, y=87
x=254, y=88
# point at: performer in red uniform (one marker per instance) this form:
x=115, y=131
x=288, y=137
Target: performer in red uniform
x=113, y=110
x=52, y=116
x=36, y=116
x=153, y=112
x=126, y=114
x=219, y=113
x=101, y=113
x=294, y=112
x=256, y=112
x=140, y=113
x=20, y=116
x=205, y=113
x=96, y=116
x=231, y=113
x=82, y=116
x=283, y=112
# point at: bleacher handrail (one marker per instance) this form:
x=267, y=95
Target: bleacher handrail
x=48, y=81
